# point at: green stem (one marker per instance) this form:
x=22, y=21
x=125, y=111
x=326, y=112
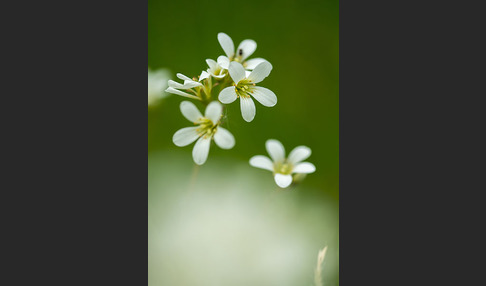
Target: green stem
x=195, y=171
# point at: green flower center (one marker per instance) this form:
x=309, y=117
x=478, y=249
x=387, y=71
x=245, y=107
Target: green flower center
x=283, y=167
x=244, y=88
x=218, y=71
x=206, y=127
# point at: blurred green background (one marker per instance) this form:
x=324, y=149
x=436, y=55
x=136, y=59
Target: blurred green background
x=301, y=40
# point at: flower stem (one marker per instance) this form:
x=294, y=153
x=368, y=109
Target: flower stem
x=195, y=171
x=318, y=271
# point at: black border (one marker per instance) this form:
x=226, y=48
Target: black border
x=72, y=220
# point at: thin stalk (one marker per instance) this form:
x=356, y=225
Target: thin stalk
x=195, y=171
x=318, y=271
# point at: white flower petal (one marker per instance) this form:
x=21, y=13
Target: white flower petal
x=178, y=92
x=304, y=168
x=212, y=64
x=236, y=71
x=217, y=76
x=265, y=96
x=283, y=181
x=190, y=111
x=227, y=44
x=227, y=95
x=224, y=62
x=214, y=112
x=260, y=72
x=247, y=73
x=251, y=64
x=262, y=162
x=248, y=47
x=204, y=75
x=224, y=139
x=175, y=84
x=188, y=84
x=299, y=154
x=185, y=136
x=201, y=150
x=275, y=149
x=183, y=77
x=248, y=109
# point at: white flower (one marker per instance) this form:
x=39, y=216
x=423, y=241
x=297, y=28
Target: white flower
x=244, y=88
x=215, y=69
x=157, y=82
x=282, y=167
x=208, y=128
x=190, y=85
x=245, y=49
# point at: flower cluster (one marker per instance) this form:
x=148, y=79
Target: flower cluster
x=233, y=76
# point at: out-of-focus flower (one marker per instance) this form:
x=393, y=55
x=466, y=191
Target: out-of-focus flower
x=192, y=87
x=208, y=128
x=245, y=49
x=244, y=88
x=318, y=272
x=157, y=82
x=283, y=167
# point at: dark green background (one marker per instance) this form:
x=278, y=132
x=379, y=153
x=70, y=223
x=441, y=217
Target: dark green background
x=299, y=38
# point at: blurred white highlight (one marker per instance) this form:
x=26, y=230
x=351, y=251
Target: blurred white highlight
x=157, y=83
x=231, y=227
